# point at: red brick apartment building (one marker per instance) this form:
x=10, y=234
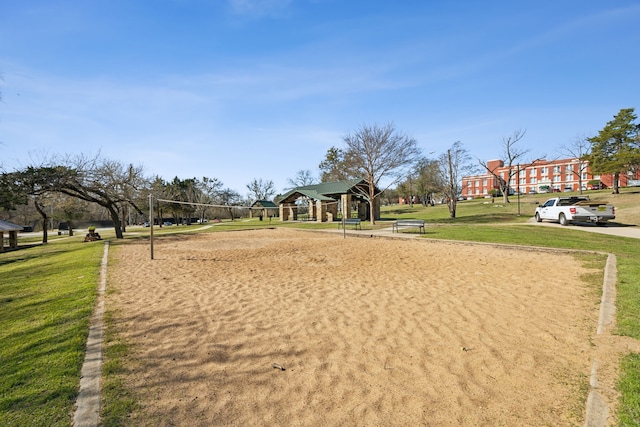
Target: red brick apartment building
x=542, y=177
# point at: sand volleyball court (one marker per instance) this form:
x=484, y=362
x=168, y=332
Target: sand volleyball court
x=370, y=332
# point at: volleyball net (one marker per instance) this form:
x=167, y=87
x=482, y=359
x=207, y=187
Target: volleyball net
x=299, y=208
x=200, y=213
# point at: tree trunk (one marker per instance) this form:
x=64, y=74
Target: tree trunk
x=123, y=221
x=116, y=220
x=45, y=222
x=616, y=179
x=372, y=216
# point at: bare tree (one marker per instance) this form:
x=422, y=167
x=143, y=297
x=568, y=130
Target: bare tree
x=208, y=188
x=107, y=183
x=511, y=157
x=37, y=184
x=302, y=178
x=375, y=153
x=453, y=164
x=580, y=148
x=70, y=210
x=261, y=190
x=229, y=198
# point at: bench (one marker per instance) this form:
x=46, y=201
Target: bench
x=408, y=223
x=351, y=221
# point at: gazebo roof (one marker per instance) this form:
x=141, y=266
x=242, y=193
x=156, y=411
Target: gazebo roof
x=8, y=226
x=326, y=191
x=263, y=204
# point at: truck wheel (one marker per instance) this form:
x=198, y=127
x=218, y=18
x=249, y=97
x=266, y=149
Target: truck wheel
x=563, y=219
x=538, y=219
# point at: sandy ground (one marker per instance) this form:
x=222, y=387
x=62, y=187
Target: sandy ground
x=370, y=332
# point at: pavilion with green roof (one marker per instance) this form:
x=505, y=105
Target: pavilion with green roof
x=327, y=199
x=12, y=230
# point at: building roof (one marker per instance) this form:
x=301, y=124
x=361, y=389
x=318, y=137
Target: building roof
x=326, y=191
x=8, y=226
x=263, y=204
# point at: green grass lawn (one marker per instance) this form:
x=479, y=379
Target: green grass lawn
x=47, y=294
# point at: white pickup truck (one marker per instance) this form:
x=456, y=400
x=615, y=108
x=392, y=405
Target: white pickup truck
x=566, y=210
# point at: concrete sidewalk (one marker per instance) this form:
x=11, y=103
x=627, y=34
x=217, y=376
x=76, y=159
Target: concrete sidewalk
x=621, y=230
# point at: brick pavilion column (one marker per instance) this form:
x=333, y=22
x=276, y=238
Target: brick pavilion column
x=346, y=205
x=284, y=214
x=332, y=208
x=320, y=211
x=312, y=210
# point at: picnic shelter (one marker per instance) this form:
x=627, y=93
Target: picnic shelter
x=327, y=201
x=12, y=231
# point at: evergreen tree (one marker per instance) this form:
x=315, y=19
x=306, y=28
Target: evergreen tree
x=616, y=149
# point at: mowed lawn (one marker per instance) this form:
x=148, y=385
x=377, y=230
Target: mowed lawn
x=47, y=294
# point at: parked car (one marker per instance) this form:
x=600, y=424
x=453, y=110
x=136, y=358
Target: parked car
x=167, y=223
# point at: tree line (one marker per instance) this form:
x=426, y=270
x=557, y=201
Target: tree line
x=69, y=189
x=384, y=158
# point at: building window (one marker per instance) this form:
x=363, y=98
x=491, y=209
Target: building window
x=533, y=180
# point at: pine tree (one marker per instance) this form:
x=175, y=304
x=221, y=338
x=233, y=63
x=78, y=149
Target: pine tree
x=616, y=149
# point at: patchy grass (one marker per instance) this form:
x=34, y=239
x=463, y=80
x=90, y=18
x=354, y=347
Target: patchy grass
x=629, y=385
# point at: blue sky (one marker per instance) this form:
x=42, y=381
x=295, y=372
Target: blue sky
x=244, y=89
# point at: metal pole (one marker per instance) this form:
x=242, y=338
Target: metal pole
x=518, y=190
x=151, y=224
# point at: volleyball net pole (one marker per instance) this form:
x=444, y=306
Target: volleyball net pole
x=151, y=221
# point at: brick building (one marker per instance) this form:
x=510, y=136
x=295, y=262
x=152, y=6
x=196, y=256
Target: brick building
x=542, y=177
